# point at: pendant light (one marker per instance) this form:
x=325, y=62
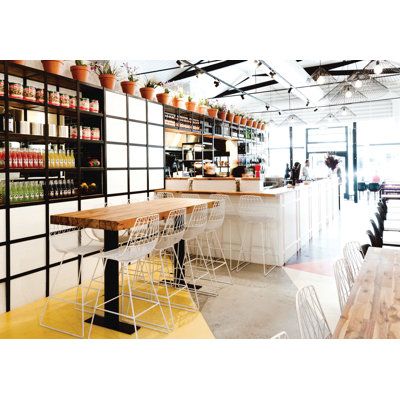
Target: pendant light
x=344, y=112
x=378, y=69
x=292, y=119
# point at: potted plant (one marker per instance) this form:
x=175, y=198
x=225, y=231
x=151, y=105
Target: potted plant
x=238, y=117
x=243, y=121
x=177, y=100
x=164, y=97
x=52, y=66
x=128, y=86
x=262, y=125
x=331, y=162
x=148, y=89
x=190, y=104
x=230, y=116
x=255, y=123
x=202, y=107
x=249, y=121
x=80, y=71
x=212, y=110
x=20, y=62
x=222, y=110
x=106, y=72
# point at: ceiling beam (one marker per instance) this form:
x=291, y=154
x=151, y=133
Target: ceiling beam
x=245, y=88
x=329, y=67
x=209, y=68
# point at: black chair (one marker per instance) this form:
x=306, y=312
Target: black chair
x=377, y=233
x=361, y=187
x=381, y=211
x=372, y=239
x=379, y=220
x=364, y=248
x=374, y=188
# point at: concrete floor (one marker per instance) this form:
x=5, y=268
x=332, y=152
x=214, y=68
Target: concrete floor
x=259, y=307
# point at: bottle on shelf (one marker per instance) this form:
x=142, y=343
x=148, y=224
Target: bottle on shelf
x=25, y=191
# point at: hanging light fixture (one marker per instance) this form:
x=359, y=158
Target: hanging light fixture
x=322, y=76
x=344, y=112
x=348, y=92
x=292, y=119
x=358, y=84
x=378, y=69
x=329, y=119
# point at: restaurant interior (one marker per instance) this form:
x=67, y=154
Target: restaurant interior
x=197, y=199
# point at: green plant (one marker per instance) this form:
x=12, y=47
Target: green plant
x=151, y=83
x=190, y=98
x=222, y=107
x=179, y=93
x=81, y=63
x=213, y=105
x=130, y=72
x=203, y=102
x=101, y=67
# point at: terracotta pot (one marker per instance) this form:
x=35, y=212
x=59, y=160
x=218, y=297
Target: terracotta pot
x=259, y=125
x=128, y=87
x=107, y=81
x=222, y=115
x=243, y=121
x=20, y=62
x=255, y=123
x=262, y=127
x=230, y=116
x=249, y=122
x=163, y=98
x=212, y=112
x=237, y=119
x=177, y=102
x=147, y=93
x=80, y=72
x=202, y=109
x=52, y=66
x=191, y=105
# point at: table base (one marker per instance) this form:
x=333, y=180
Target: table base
x=122, y=327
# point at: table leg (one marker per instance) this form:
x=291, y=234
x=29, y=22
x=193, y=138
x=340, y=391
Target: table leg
x=179, y=276
x=111, y=290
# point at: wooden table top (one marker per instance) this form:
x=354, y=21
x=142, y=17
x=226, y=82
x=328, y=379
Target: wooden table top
x=116, y=218
x=373, y=308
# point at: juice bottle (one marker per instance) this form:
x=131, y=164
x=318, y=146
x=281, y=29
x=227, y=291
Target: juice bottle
x=41, y=156
x=2, y=158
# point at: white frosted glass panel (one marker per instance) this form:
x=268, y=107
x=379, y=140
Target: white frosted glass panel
x=92, y=203
x=137, y=109
x=2, y=262
x=138, y=180
x=155, y=113
x=2, y=226
x=137, y=133
x=138, y=197
x=116, y=104
x=156, y=135
x=117, y=200
x=116, y=130
x=28, y=289
x=27, y=221
x=67, y=278
x=156, y=157
x=116, y=156
x=137, y=157
x=64, y=207
x=156, y=179
x=2, y=298
x=28, y=255
x=117, y=182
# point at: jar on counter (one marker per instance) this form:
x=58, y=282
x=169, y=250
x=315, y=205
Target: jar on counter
x=1, y=87
x=85, y=133
x=73, y=132
x=54, y=98
x=94, y=106
x=84, y=104
x=64, y=100
x=95, y=133
x=16, y=91
x=72, y=102
x=30, y=93
x=40, y=95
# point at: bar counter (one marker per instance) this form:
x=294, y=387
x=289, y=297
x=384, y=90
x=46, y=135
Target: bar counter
x=296, y=214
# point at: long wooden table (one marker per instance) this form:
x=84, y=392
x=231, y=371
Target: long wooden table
x=116, y=218
x=373, y=308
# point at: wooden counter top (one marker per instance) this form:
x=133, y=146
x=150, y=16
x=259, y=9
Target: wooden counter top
x=208, y=192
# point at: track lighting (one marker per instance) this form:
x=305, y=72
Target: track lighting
x=315, y=109
x=267, y=107
x=272, y=74
x=180, y=63
x=216, y=83
x=378, y=68
x=290, y=89
x=242, y=96
x=308, y=103
x=279, y=113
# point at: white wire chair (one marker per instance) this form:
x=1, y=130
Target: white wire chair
x=190, y=196
x=310, y=316
x=142, y=241
x=281, y=335
x=215, y=257
x=353, y=255
x=195, y=265
x=343, y=281
x=68, y=240
x=252, y=214
x=163, y=195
